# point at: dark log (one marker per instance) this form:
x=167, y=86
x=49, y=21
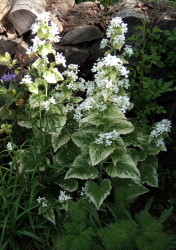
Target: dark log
x=24, y=13
x=3, y=68
x=95, y=52
x=8, y=46
x=73, y=55
x=166, y=22
x=81, y=34
x=131, y=15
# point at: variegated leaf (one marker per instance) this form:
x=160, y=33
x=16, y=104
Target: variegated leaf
x=97, y=193
x=82, y=169
x=99, y=152
x=69, y=185
x=58, y=141
x=124, y=168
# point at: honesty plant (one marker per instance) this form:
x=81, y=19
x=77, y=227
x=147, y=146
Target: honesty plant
x=92, y=136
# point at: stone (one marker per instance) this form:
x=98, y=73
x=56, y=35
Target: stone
x=81, y=34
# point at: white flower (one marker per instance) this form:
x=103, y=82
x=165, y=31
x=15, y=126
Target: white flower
x=60, y=59
x=46, y=104
x=121, y=102
x=27, y=79
x=161, y=127
x=42, y=201
x=9, y=146
x=160, y=142
x=63, y=196
x=52, y=100
x=107, y=138
x=44, y=17
x=128, y=50
x=10, y=163
x=82, y=192
x=35, y=27
x=103, y=43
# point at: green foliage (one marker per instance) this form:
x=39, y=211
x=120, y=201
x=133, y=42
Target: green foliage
x=145, y=91
x=78, y=237
x=77, y=211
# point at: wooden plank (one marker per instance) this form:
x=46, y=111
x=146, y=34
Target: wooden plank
x=24, y=13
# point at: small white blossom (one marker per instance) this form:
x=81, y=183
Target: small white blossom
x=9, y=146
x=104, y=43
x=121, y=102
x=60, y=59
x=42, y=201
x=27, y=80
x=46, y=104
x=82, y=192
x=63, y=196
x=128, y=50
x=107, y=138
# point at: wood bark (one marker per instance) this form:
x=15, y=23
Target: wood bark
x=24, y=13
x=5, y=6
x=8, y=46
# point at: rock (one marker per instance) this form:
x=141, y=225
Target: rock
x=73, y=54
x=95, y=52
x=4, y=9
x=87, y=3
x=81, y=34
x=87, y=66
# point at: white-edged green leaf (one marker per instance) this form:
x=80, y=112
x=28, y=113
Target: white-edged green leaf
x=47, y=213
x=94, y=118
x=121, y=126
x=97, y=193
x=129, y=189
x=148, y=170
x=7, y=56
x=124, y=168
x=69, y=185
x=81, y=169
x=99, y=152
x=113, y=113
x=53, y=75
x=34, y=101
x=53, y=124
x=117, y=154
x=26, y=123
x=33, y=88
x=58, y=141
x=84, y=138
x=137, y=155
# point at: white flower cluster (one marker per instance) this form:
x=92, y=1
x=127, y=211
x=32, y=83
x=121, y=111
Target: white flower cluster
x=128, y=50
x=122, y=102
x=90, y=86
x=58, y=94
x=63, y=196
x=27, y=80
x=42, y=201
x=101, y=106
x=161, y=127
x=71, y=72
x=107, y=138
x=49, y=28
x=116, y=30
x=104, y=43
x=9, y=146
x=68, y=108
x=60, y=59
x=107, y=61
x=86, y=105
x=47, y=103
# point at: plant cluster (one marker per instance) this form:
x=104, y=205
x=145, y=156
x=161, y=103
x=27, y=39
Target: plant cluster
x=77, y=155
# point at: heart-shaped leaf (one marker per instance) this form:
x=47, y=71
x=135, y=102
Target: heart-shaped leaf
x=81, y=169
x=97, y=193
x=69, y=185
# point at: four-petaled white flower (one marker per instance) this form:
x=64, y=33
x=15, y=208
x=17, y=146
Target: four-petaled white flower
x=9, y=146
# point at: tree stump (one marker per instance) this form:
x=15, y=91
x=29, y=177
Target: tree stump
x=8, y=46
x=24, y=13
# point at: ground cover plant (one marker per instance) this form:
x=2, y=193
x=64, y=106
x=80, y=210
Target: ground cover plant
x=71, y=167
